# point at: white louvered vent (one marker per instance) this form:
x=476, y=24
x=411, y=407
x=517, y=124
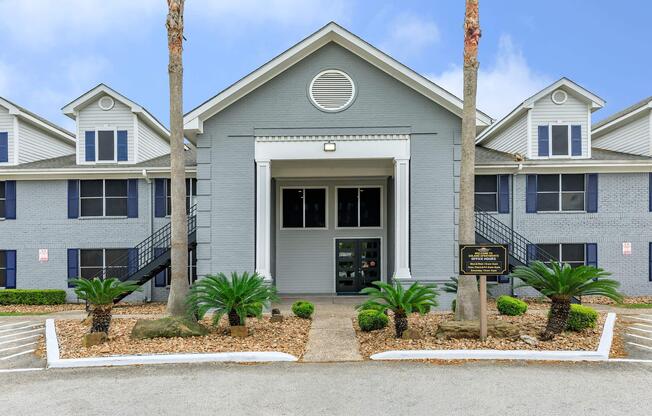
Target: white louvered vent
x=332, y=90
x=106, y=103
x=559, y=97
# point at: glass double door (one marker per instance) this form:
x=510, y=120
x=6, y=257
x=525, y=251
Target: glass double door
x=357, y=264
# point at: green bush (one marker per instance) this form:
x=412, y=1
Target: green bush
x=371, y=307
x=510, y=306
x=371, y=320
x=581, y=317
x=32, y=297
x=303, y=309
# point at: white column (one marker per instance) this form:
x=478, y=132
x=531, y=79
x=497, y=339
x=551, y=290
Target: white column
x=263, y=218
x=402, y=219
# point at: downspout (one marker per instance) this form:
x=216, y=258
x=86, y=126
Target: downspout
x=511, y=216
x=148, y=180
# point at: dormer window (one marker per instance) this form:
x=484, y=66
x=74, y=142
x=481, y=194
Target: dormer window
x=559, y=140
x=105, y=145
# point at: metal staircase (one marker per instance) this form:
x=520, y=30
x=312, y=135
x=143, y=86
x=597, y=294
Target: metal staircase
x=149, y=257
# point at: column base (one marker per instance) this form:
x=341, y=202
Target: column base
x=266, y=275
x=402, y=274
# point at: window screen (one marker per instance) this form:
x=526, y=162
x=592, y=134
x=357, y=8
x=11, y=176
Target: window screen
x=91, y=196
x=91, y=263
x=3, y=268
x=559, y=140
x=486, y=193
x=106, y=145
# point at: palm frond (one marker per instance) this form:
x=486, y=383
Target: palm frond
x=102, y=291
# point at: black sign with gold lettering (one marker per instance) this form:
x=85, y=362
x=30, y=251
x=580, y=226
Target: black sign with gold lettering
x=484, y=259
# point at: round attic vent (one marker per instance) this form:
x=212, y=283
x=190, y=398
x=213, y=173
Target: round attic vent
x=331, y=90
x=106, y=103
x=559, y=96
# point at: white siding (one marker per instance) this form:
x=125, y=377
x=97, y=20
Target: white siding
x=7, y=124
x=150, y=144
x=35, y=144
x=512, y=139
x=573, y=111
x=92, y=117
x=633, y=137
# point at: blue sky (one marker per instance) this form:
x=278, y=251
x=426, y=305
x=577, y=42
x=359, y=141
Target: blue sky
x=54, y=50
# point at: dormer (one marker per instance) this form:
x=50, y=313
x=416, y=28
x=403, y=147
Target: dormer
x=26, y=137
x=112, y=129
x=628, y=131
x=554, y=123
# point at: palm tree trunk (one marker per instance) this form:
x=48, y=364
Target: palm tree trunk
x=559, y=312
x=234, y=319
x=101, y=318
x=179, y=241
x=400, y=323
x=468, y=299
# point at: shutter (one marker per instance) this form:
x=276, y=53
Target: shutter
x=132, y=198
x=543, y=141
x=133, y=263
x=73, y=198
x=90, y=146
x=592, y=254
x=650, y=261
x=531, y=252
x=159, y=198
x=576, y=140
x=10, y=258
x=531, y=194
x=10, y=200
x=159, y=279
x=649, y=192
x=503, y=194
x=73, y=264
x=123, y=149
x=4, y=147
x=592, y=192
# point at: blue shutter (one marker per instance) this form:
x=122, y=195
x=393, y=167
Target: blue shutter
x=159, y=280
x=73, y=264
x=650, y=261
x=73, y=198
x=133, y=263
x=90, y=146
x=123, y=150
x=531, y=252
x=132, y=198
x=531, y=194
x=10, y=258
x=543, y=141
x=4, y=147
x=576, y=140
x=592, y=254
x=159, y=198
x=10, y=201
x=649, y=193
x=503, y=194
x=592, y=192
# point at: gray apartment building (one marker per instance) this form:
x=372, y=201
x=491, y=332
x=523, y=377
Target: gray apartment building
x=327, y=168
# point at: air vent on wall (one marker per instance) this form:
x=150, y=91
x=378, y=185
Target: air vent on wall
x=559, y=97
x=332, y=90
x=106, y=103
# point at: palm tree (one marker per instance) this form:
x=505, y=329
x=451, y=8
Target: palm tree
x=561, y=283
x=101, y=293
x=237, y=297
x=179, y=240
x=418, y=298
x=468, y=298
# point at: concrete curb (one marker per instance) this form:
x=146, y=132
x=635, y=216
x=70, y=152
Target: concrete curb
x=54, y=360
x=601, y=354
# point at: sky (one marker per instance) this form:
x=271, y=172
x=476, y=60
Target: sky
x=55, y=50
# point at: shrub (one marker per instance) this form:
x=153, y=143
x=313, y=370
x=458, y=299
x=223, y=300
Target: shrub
x=371, y=320
x=368, y=306
x=581, y=317
x=32, y=297
x=303, y=309
x=510, y=306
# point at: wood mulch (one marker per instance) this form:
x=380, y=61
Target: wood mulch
x=601, y=300
x=289, y=336
x=123, y=308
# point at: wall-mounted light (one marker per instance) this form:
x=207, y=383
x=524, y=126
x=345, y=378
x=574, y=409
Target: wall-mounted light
x=329, y=147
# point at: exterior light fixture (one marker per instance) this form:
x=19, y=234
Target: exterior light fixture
x=329, y=147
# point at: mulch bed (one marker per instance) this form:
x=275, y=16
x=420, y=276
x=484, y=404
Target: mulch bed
x=123, y=308
x=601, y=300
x=289, y=336
x=532, y=323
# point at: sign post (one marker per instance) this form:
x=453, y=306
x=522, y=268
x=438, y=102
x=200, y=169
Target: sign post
x=483, y=260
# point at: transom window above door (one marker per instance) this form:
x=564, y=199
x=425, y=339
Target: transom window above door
x=358, y=207
x=303, y=207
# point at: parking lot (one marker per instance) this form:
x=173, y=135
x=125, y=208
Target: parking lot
x=638, y=336
x=18, y=341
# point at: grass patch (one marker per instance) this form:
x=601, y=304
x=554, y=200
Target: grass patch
x=635, y=305
x=22, y=313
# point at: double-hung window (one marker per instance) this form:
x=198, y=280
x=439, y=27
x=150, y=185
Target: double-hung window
x=93, y=261
x=303, y=207
x=106, y=146
x=573, y=254
x=561, y=192
x=486, y=193
x=3, y=199
x=560, y=140
x=192, y=269
x=191, y=195
x=103, y=198
x=359, y=207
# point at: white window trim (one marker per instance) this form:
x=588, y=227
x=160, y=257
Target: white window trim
x=104, y=265
x=382, y=210
x=104, y=198
x=560, y=247
x=491, y=193
x=192, y=197
x=560, y=193
x=325, y=188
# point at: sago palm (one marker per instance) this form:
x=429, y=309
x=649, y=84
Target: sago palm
x=561, y=283
x=417, y=298
x=101, y=293
x=238, y=297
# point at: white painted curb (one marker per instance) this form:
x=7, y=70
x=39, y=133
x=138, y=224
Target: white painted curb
x=601, y=354
x=54, y=360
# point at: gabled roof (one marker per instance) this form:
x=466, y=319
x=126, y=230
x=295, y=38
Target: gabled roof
x=332, y=32
x=71, y=108
x=596, y=103
x=39, y=121
x=622, y=117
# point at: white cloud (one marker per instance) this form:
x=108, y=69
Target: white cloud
x=503, y=84
x=410, y=34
